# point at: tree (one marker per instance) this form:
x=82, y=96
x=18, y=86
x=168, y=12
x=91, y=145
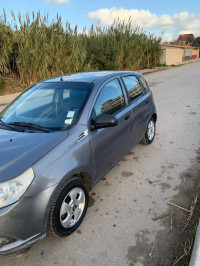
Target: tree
x=196, y=42
x=191, y=39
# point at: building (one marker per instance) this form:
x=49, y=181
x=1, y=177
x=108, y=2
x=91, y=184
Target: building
x=184, y=38
x=176, y=54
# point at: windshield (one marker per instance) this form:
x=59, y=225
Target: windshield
x=50, y=105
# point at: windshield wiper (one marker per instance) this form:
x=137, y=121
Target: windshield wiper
x=6, y=125
x=30, y=125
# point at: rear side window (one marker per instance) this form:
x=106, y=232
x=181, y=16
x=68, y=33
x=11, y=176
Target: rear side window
x=111, y=99
x=133, y=86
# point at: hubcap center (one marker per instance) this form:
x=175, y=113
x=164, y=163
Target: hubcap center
x=73, y=207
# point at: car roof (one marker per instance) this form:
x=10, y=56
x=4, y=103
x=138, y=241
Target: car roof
x=90, y=77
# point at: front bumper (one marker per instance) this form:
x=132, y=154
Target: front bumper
x=25, y=222
x=11, y=245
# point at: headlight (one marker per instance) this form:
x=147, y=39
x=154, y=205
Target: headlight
x=12, y=190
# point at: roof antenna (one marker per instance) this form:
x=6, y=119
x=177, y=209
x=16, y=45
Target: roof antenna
x=61, y=79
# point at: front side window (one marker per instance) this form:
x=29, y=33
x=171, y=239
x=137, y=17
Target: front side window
x=133, y=87
x=111, y=99
x=50, y=105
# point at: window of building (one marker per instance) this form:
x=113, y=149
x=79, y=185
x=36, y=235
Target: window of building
x=133, y=87
x=111, y=99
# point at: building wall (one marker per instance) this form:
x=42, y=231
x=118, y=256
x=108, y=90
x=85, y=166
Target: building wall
x=171, y=56
x=174, y=56
x=187, y=54
x=163, y=56
x=195, y=53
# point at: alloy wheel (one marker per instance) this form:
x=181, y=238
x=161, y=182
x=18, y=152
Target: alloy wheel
x=72, y=207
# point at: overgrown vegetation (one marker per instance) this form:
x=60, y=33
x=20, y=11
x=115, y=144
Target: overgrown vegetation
x=194, y=41
x=35, y=49
x=2, y=86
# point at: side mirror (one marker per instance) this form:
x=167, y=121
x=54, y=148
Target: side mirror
x=104, y=120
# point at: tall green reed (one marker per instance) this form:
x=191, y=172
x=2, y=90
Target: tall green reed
x=35, y=49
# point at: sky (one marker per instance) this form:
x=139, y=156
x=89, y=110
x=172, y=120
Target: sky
x=173, y=17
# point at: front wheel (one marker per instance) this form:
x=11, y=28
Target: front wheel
x=150, y=132
x=69, y=207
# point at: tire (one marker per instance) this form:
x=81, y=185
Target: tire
x=150, y=132
x=69, y=207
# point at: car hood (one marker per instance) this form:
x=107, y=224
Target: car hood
x=19, y=151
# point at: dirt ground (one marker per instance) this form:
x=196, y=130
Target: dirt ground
x=10, y=84
x=174, y=245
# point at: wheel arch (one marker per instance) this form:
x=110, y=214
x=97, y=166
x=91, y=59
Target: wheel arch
x=154, y=116
x=86, y=177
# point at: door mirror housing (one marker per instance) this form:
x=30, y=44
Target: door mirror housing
x=104, y=120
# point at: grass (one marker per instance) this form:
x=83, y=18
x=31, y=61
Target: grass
x=161, y=65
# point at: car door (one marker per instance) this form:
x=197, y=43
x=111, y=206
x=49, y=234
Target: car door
x=140, y=106
x=110, y=144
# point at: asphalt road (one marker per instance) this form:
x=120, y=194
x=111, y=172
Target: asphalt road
x=120, y=226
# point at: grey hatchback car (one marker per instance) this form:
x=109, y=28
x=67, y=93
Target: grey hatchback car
x=57, y=140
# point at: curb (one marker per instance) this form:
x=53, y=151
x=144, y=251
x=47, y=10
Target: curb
x=195, y=257
x=152, y=70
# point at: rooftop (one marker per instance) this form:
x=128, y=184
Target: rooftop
x=87, y=76
x=179, y=46
x=183, y=37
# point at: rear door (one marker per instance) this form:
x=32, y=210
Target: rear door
x=140, y=106
x=110, y=144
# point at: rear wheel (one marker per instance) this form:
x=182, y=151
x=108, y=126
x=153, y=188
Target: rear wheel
x=69, y=207
x=150, y=132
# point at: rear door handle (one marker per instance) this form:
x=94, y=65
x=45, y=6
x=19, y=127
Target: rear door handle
x=127, y=117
